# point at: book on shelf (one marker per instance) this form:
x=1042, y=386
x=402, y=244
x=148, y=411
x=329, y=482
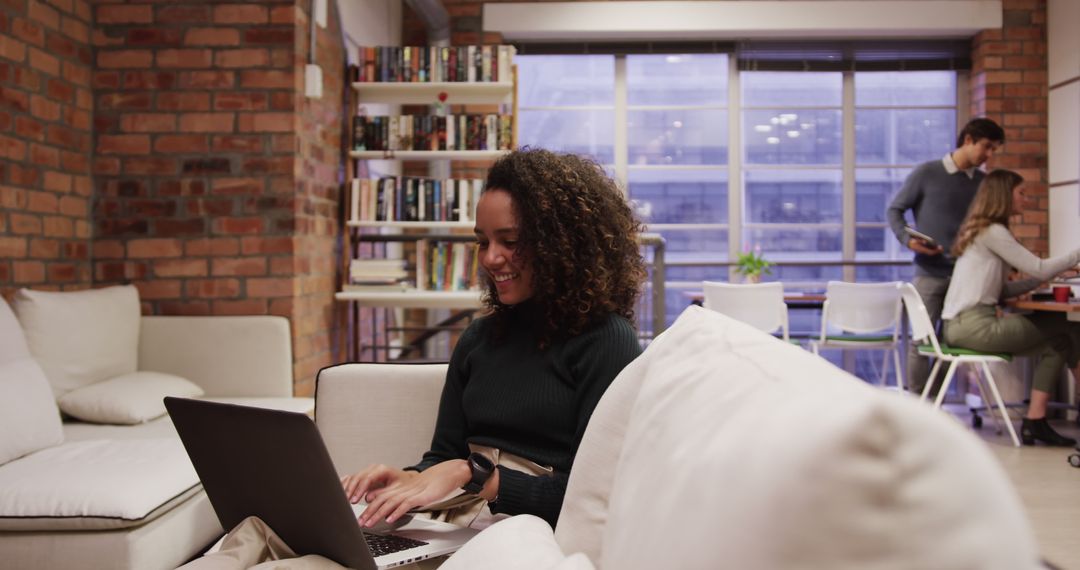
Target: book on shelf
x=377, y=270
x=446, y=266
x=422, y=64
x=413, y=199
x=433, y=132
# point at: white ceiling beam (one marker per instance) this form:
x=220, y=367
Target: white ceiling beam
x=728, y=20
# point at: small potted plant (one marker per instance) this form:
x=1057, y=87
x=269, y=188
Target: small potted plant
x=751, y=265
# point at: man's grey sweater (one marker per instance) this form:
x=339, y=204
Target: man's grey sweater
x=939, y=201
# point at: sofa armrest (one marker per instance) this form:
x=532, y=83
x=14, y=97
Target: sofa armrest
x=377, y=413
x=226, y=356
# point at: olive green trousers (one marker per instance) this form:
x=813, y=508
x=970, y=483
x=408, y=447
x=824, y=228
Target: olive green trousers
x=1047, y=335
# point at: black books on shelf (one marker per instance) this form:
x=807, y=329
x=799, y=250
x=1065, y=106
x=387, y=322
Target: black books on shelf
x=432, y=132
x=433, y=64
x=413, y=199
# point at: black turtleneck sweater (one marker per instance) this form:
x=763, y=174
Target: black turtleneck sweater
x=506, y=393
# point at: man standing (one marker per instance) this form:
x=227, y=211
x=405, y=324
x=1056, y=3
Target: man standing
x=938, y=194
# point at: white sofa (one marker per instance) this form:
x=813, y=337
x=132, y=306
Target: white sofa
x=118, y=492
x=722, y=447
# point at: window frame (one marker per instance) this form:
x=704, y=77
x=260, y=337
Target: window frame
x=736, y=169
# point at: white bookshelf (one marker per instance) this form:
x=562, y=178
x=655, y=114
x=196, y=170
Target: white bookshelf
x=410, y=225
x=427, y=154
x=415, y=298
x=457, y=93
x=501, y=93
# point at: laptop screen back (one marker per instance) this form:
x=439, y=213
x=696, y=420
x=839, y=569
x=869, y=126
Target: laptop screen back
x=273, y=465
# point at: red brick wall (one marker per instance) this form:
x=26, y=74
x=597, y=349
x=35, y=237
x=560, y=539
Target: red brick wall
x=216, y=179
x=169, y=145
x=45, y=144
x=1008, y=84
x=194, y=154
x=321, y=130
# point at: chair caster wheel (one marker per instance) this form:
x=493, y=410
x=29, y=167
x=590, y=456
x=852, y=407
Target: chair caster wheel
x=1074, y=460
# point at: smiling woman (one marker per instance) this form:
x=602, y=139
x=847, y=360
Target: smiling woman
x=562, y=271
x=496, y=242
x=575, y=232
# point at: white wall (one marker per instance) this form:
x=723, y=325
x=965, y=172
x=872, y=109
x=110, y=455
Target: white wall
x=370, y=23
x=1063, y=76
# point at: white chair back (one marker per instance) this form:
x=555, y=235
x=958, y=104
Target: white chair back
x=760, y=305
x=922, y=328
x=861, y=307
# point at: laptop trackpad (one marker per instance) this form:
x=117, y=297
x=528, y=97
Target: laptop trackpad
x=383, y=527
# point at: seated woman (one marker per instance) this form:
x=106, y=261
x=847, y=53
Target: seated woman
x=986, y=253
x=562, y=272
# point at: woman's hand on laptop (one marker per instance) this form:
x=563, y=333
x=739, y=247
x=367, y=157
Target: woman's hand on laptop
x=359, y=484
x=389, y=502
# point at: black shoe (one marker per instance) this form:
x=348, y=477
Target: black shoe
x=1032, y=430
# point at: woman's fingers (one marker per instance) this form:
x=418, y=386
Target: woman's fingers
x=382, y=506
x=360, y=483
x=414, y=490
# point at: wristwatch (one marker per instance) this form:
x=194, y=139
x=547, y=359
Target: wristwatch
x=481, y=468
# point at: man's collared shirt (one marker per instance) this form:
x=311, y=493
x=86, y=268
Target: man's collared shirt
x=952, y=168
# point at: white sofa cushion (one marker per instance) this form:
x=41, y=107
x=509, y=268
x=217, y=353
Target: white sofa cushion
x=523, y=542
x=128, y=399
x=94, y=484
x=29, y=420
x=81, y=337
x=747, y=450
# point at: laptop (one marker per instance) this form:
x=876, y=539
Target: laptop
x=274, y=465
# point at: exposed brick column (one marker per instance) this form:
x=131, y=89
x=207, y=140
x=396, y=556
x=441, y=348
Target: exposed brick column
x=45, y=145
x=1008, y=84
x=321, y=134
x=216, y=187
x=194, y=154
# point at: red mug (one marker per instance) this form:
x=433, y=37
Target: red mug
x=1061, y=293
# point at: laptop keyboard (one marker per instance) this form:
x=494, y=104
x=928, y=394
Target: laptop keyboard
x=381, y=544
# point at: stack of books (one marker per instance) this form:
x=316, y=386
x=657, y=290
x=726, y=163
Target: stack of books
x=377, y=275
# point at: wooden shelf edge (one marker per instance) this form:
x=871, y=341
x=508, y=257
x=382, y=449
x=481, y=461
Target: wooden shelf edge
x=377, y=224
x=427, y=154
x=458, y=93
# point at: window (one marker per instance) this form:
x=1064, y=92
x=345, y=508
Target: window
x=801, y=164
x=567, y=103
x=901, y=120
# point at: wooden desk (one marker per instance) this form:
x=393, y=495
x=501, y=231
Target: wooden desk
x=1071, y=309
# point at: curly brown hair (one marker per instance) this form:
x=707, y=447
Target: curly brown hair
x=579, y=234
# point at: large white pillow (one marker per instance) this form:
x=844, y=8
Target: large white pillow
x=81, y=337
x=29, y=420
x=745, y=452
x=523, y=542
x=129, y=399
x=585, y=506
